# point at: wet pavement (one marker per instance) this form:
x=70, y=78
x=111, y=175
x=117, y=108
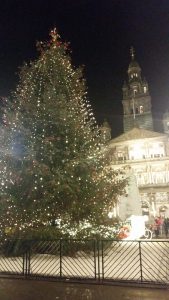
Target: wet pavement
x=15, y=289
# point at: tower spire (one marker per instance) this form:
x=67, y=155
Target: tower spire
x=132, y=52
x=136, y=98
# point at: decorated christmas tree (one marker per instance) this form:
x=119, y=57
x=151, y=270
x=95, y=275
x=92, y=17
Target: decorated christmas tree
x=53, y=169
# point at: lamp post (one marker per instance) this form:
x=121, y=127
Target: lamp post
x=152, y=201
x=163, y=210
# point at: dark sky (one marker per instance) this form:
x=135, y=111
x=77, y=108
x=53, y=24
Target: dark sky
x=100, y=33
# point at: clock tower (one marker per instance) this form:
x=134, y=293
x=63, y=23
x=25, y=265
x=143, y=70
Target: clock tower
x=136, y=99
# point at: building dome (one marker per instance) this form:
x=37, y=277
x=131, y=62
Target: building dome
x=134, y=65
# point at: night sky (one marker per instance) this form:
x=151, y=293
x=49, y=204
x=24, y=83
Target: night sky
x=100, y=33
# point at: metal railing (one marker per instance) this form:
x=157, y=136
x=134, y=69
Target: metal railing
x=142, y=261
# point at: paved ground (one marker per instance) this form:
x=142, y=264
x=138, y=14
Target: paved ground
x=15, y=289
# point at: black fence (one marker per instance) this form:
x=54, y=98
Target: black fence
x=143, y=261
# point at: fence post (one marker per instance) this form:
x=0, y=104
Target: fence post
x=24, y=264
x=102, y=248
x=141, y=267
x=26, y=260
x=60, y=258
x=95, y=257
x=98, y=259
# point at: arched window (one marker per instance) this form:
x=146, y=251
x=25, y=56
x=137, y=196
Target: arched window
x=141, y=109
x=135, y=91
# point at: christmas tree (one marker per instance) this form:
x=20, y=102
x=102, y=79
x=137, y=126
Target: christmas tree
x=53, y=169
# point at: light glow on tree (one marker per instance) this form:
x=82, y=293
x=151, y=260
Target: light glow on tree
x=52, y=165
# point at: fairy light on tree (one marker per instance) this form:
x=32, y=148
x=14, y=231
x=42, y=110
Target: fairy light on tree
x=52, y=164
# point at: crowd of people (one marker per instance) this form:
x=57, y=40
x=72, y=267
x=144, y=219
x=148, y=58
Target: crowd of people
x=160, y=227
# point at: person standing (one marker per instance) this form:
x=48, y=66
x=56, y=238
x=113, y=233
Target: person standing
x=166, y=226
x=156, y=228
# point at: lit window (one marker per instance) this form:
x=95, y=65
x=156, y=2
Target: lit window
x=156, y=150
x=167, y=125
x=141, y=109
x=145, y=89
x=137, y=151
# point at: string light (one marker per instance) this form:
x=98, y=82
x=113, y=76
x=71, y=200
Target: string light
x=54, y=167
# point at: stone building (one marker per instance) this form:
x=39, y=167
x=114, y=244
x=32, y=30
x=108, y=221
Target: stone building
x=141, y=152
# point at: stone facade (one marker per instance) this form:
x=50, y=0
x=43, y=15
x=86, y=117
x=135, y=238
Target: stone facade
x=144, y=155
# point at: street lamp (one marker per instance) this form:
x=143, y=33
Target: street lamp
x=162, y=210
